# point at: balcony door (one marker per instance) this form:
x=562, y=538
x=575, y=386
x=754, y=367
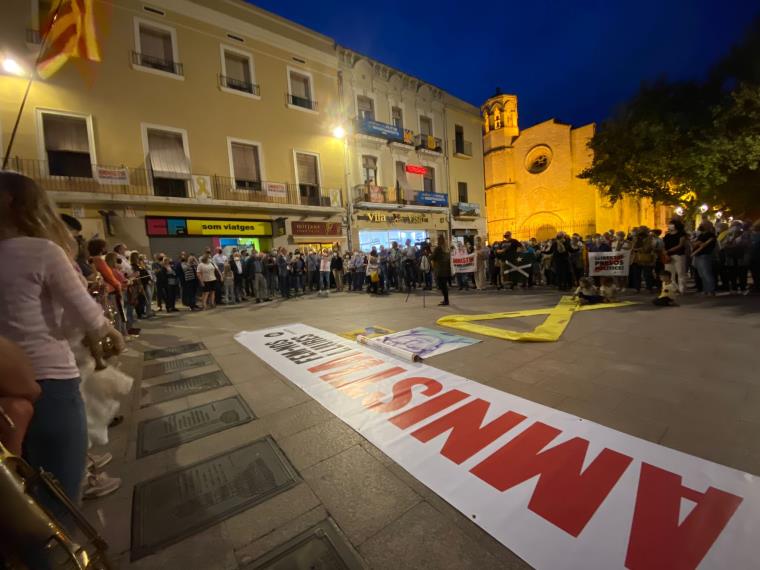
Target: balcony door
x=67, y=145
x=307, y=171
x=169, y=163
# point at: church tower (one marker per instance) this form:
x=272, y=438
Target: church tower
x=499, y=131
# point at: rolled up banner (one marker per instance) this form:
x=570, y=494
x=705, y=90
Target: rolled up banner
x=377, y=344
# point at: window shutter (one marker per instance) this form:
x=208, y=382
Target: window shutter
x=307, y=169
x=300, y=85
x=237, y=67
x=369, y=162
x=167, y=155
x=156, y=43
x=65, y=133
x=245, y=162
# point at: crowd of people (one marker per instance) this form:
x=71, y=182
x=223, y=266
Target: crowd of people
x=717, y=257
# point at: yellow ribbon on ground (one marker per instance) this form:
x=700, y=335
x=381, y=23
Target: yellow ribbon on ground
x=549, y=331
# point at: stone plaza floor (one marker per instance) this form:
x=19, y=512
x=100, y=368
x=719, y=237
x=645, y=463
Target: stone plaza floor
x=686, y=378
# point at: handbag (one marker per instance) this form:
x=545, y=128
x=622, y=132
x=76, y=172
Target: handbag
x=374, y=277
x=665, y=258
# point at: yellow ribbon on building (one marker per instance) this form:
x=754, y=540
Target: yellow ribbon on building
x=549, y=331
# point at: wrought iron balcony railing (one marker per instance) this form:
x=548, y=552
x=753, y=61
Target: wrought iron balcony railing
x=238, y=85
x=161, y=64
x=298, y=101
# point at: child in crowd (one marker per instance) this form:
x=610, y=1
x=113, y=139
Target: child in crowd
x=667, y=297
x=587, y=293
x=609, y=290
x=228, y=278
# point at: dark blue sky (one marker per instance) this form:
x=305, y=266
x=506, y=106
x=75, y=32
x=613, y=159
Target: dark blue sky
x=572, y=60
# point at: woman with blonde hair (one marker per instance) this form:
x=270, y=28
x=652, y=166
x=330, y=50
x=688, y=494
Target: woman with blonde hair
x=43, y=286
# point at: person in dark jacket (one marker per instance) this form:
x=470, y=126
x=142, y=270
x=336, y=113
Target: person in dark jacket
x=167, y=284
x=238, y=272
x=441, y=260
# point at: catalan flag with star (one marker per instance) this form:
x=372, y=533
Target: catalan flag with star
x=69, y=32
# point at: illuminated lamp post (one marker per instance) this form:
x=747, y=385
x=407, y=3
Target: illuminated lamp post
x=339, y=133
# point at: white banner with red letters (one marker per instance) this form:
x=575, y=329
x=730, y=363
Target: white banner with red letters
x=559, y=491
x=609, y=263
x=462, y=262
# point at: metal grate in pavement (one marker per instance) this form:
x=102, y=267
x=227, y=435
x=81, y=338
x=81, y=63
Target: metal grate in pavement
x=184, y=387
x=322, y=547
x=159, y=368
x=173, y=350
x=174, y=506
x=188, y=425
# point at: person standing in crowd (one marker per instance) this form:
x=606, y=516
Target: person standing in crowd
x=481, y=263
x=238, y=277
x=155, y=266
x=409, y=256
x=373, y=272
x=620, y=244
x=298, y=265
x=81, y=257
x=394, y=261
x=347, y=257
x=96, y=247
x=49, y=301
x=441, y=260
x=702, y=255
x=219, y=259
x=167, y=284
x=312, y=270
x=576, y=258
x=426, y=267
x=336, y=266
x=324, y=272
x=561, y=258
x=260, y=288
x=462, y=278
x=228, y=281
x=247, y=261
x=382, y=256
x=206, y=273
x=358, y=264
x=643, y=259
x=271, y=272
x=138, y=292
x=754, y=255
x=283, y=273
x=675, y=244
x=736, y=248
x=189, y=282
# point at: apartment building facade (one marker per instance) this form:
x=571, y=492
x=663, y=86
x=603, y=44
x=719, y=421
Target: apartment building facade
x=414, y=162
x=206, y=123
x=211, y=123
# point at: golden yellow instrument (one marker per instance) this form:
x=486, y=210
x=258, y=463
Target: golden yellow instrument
x=30, y=537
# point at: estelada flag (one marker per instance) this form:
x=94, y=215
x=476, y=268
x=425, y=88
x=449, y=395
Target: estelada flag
x=69, y=32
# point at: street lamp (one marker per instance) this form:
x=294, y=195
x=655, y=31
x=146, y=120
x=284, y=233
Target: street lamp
x=339, y=132
x=679, y=211
x=703, y=208
x=12, y=67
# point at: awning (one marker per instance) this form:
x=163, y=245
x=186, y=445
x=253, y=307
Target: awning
x=167, y=155
x=64, y=133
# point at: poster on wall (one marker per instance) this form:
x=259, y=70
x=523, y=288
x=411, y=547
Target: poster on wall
x=558, y=490
x=112, y=176
x=202, y=187
x=609, y=263
x=276, y=190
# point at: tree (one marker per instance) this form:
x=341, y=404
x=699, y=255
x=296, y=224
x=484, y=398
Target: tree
x=687, y=142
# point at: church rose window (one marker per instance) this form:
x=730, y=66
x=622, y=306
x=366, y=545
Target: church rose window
x=538, y=159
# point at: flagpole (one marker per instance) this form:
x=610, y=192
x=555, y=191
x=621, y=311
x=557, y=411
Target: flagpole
x=43, y=40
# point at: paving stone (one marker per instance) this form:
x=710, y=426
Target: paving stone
x=297, y=418
x=317, y=443
x=359, y=492
x=421, y=538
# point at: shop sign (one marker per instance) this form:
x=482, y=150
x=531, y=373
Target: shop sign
x=158, y=226
x=276, y=190
x=380, y=130
x=315, y=228
x=394, y=218
x=112, y=176
x=432, y=199
x=415, y=169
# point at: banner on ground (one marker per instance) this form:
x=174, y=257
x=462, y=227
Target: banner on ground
x=559, y=491
x=463, y=262
x=609, y=263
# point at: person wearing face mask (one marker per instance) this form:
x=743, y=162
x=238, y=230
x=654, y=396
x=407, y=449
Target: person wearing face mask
x=702, y=256
x=675, y=243
x=236, y=265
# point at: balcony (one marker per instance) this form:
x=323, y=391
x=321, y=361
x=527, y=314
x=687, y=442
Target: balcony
x=466, y=210
x=368, y=193
x=462, y=148
x=428, y=143
x=239, y=85
x=132, y=183
x=157, y=63
x=302, y=102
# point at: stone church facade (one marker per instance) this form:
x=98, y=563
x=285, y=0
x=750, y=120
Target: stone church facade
x=532, y=184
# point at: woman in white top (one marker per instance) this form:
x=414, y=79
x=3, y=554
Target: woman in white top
x=42, y=300
x=207, y=276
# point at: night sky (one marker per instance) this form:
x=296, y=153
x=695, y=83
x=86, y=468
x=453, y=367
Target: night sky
x=574, y=61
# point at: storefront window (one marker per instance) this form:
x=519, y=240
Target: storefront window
x=375, y=238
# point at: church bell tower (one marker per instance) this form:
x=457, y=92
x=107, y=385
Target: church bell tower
x=500, y=129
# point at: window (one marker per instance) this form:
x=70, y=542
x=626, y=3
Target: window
x=156, y=47
x=459, y=140
x=67, y=145
x=237, y=71
x=369, y=169
x=169, y=165
x=300, y=90
x=397, y=117
x=365, y=108
x=307, y=176
x=246, y=167
x=426, y=125
x=462, y=191
x=428, y=179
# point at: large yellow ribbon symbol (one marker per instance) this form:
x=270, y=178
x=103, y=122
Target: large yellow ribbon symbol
x=548, y=331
